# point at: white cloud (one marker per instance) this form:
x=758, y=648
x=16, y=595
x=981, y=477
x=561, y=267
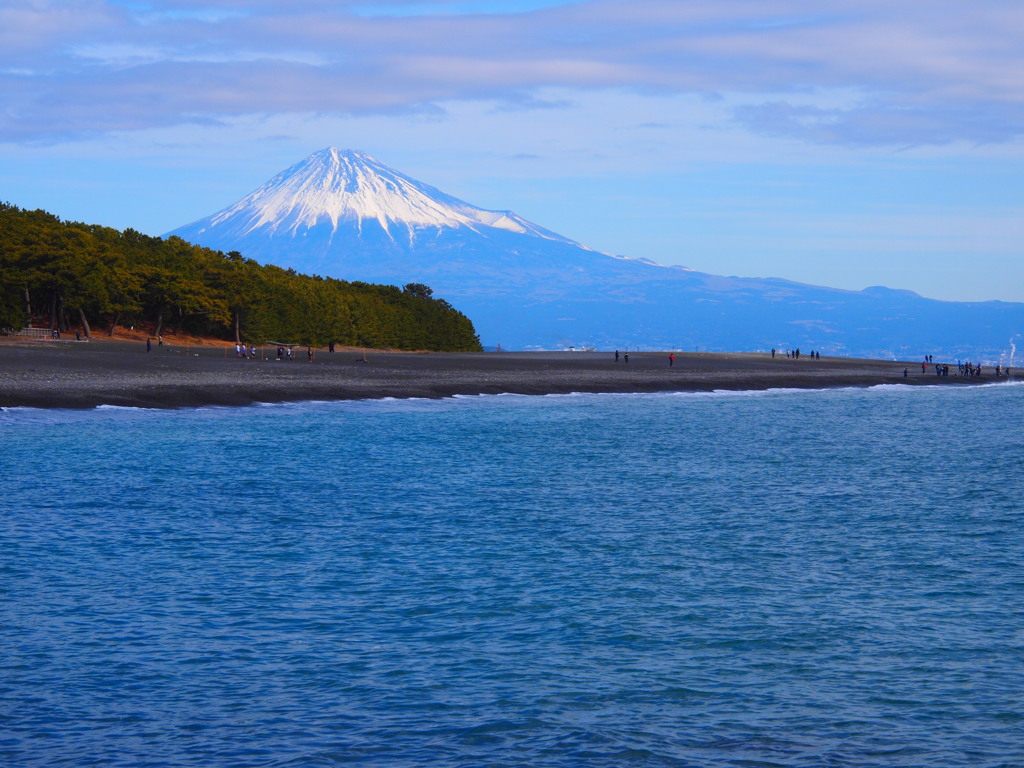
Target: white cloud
x=929, y=73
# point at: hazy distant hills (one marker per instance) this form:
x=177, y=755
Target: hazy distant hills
x=343, y=214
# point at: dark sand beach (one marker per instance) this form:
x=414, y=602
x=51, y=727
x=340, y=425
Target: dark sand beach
x=70, y=374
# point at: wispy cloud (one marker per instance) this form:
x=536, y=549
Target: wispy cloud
x=925, y=73
x=881, y=122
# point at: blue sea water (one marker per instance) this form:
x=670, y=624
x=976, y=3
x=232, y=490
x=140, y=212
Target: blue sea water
x=829, y=578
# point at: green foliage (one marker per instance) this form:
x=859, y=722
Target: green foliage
x=63, y=271
x=418, y=289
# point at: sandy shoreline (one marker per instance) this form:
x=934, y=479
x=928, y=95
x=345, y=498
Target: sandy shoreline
x=69, y=374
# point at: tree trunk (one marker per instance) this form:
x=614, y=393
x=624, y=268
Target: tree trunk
x=52, y=310
x=113, y=325
x=159, y=322
x=28, y=308
x=238, y=329
x=85, y=323
x=58, y=311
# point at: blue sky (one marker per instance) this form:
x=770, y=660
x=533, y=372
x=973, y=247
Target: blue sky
x=846, y=142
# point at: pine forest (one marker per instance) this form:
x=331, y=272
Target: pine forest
x=90, y=279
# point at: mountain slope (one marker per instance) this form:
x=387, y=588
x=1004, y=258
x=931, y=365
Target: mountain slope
x=334, y=190
x=346, y=215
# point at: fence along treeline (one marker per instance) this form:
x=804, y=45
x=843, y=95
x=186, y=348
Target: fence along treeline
x=72, y=275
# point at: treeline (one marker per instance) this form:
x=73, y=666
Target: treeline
x=71, y=276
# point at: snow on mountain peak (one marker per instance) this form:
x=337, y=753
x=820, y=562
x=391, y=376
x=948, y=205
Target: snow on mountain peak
x=349, y=185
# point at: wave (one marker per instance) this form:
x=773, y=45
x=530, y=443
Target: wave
x=22, y=414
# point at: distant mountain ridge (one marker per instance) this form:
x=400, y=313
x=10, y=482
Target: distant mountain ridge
x=343, y=214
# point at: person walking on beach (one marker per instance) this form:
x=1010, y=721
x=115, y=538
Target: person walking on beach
x=626, y=356
x=671, y=359
x=309, y=353
x=149, y=345
x=616, y=355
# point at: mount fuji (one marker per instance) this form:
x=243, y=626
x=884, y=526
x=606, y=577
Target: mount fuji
x=343, y=214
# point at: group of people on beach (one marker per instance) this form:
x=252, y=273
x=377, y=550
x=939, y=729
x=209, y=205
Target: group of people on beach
x=794, y=354
x=974, y=369
x=283, y=352
x=969, y=369
x=963, y=369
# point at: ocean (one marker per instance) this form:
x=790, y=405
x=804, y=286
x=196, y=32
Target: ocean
x=782, y=578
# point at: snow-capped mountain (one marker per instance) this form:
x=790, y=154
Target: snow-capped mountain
x=336, y=189
x=343, y=214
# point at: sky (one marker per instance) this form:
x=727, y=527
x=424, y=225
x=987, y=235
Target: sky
x=847, y=143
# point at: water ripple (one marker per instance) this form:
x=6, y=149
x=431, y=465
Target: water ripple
x=788, y=579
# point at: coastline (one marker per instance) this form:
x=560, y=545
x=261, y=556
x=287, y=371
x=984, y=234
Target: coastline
x=69, y=374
